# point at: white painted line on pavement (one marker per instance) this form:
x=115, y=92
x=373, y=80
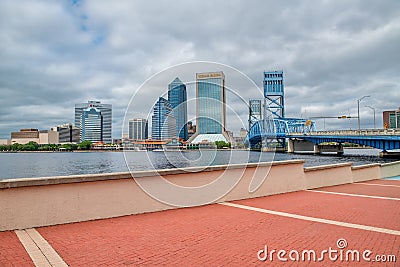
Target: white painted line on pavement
x=313, y=219
x=352, y=195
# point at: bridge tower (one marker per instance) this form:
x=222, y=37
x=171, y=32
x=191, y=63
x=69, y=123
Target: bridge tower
x=255, y=111
x=274, y=104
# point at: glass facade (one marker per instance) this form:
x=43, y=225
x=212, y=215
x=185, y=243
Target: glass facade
x=210, y=88
x=91, y=125
x=163, y=122
x=106, y=112
x=138, y=129
x=394, y=120
x=177, y=97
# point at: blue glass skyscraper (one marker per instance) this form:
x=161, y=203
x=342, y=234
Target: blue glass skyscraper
x=211, y=108
x=177, y=97
x=163, y=122
x=91, y=125
x=210, y=89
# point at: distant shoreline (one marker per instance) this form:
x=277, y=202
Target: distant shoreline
x=58, y=151
x=103, y=151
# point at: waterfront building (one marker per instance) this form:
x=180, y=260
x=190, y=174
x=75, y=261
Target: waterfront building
x=163, y=121
x=243, y=133
x=5, y=142
x=67, y=133
x=91, y=125
x=125, y=136
x=48, y=137
x=391, y=119
x=191, y=129
x=43, y=137
x=138, y=129
x=210, y=108
x=106, y=112
x=177, y=97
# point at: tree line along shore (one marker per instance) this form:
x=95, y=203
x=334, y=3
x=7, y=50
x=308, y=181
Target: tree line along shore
x=33, y=146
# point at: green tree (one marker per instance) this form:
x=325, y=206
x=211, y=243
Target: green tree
x=222, y=144
x=69, y=147
x=16, y=147
x=85, y=145
x=31, y=146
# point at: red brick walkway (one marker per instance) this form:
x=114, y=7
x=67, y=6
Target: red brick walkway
x=361, y=189
x=217, y=235
x=374, y=212
x=12, y=253
x=384, y=182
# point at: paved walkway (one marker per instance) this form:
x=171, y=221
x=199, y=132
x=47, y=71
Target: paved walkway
x=363, y=216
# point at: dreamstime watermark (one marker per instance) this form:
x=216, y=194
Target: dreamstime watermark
x=231, y=103
x=340, y=253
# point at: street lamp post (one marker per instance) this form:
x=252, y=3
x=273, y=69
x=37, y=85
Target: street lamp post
x=374, y=115
x=358, y=110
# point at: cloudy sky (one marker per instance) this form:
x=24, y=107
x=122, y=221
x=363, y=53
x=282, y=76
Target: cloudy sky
x=54, y=54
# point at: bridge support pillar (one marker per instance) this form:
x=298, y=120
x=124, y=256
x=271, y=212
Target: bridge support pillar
x=290, y=148
x=316, y=149
x=390, y=154
x=338, y=148
x=298, y=145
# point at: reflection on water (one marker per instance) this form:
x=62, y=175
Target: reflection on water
x=15, y=165
x=196, y=158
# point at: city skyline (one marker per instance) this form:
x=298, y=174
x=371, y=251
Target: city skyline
x=63, y=53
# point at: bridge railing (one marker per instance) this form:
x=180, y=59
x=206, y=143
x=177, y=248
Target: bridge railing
x=354, y=132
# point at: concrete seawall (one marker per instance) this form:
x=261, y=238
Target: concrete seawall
x=26, y=203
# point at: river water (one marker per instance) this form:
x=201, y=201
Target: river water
x=28, y=165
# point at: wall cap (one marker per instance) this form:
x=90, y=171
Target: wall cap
x=23, y=182
x=330, y=166
x=358, y=167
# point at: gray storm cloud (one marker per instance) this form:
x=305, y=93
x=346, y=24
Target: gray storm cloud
x=58, y=53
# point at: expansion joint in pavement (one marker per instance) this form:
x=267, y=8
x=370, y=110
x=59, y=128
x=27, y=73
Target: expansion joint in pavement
x=40, y=251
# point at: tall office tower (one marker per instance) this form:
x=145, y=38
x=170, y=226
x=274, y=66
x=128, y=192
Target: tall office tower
x=163, y=122
x=211, y=108
x=254, y=111
x=67, y=133
x=138, y=129
x=92, y=125
x=177, y=98
x=106, y=112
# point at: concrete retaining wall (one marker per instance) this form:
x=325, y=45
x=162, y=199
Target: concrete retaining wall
x=37, y=202
x=390, y=169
